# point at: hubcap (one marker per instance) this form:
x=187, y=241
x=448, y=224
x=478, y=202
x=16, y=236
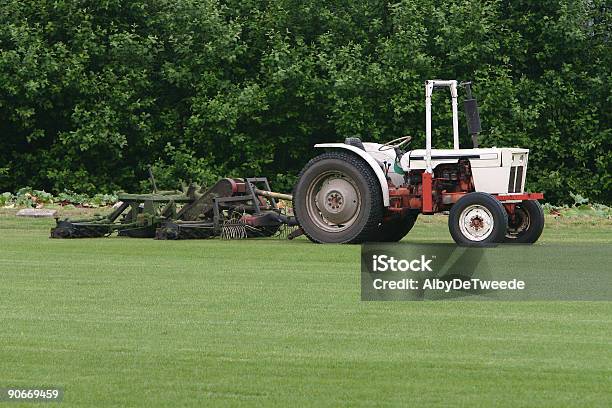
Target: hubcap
x=476, y=222
x=333, y=201
x=337, y=200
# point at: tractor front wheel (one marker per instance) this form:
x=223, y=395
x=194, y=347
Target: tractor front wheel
x=478, y=219
x=337, y=199
x=526, y=223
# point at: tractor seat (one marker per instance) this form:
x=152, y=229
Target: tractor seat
x=354, y=141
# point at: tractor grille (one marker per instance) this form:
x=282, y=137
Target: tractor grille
x=515, y=183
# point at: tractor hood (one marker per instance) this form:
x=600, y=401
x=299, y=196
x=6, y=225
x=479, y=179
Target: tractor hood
x=485, y=157
x=494, y=170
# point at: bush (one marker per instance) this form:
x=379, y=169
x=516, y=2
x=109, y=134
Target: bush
x=70, y=197
x=89, y=96
x=580, y=208
x=102, y=200
x=6, y=198
x=26, y=197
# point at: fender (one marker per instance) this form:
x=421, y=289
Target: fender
x=384, y=187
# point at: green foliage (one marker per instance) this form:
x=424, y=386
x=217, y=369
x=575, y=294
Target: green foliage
x=580, y=209
x=27, y=197
x=42, y=197
x=578, y=199
x=70, y=197
x=103, y=200
x=6, y=198
x=93, y=92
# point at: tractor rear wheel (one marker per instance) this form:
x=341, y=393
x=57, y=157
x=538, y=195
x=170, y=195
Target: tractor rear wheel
x=526, y=224
x=396, y=229
x=337, y=199
x=478, y=219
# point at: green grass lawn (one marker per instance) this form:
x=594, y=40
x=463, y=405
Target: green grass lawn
x=138, y=322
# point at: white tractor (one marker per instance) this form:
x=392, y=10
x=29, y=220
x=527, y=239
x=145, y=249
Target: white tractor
x=357, y=192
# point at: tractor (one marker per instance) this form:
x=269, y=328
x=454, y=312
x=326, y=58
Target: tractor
x=357, y=192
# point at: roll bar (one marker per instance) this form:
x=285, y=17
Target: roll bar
x=429, y=87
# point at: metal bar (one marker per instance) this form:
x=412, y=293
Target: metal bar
x=439, y=82
x=152, y=178
x=234, y=199
x=177, y=198
x=453, y=90
x=427, y=193
x=134, y=210
x=520, y=197
x=250, y=191
x=429, y=87
x=428, y=91
x=272, y=194
x=267, y=187
x=117, y=212
x=216, y=216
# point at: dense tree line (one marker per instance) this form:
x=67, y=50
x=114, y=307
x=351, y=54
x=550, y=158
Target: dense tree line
x=92, y=91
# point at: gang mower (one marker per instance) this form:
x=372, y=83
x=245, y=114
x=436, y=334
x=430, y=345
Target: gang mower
x=231, y=208
x=356, y=191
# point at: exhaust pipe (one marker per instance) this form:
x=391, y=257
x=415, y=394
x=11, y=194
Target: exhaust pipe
x=471, y=114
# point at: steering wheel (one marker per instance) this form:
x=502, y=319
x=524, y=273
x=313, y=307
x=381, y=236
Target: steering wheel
x=395, y=143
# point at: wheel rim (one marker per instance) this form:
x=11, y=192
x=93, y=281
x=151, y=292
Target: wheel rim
x=333, y=201
x=519, y=224
x=476, y=222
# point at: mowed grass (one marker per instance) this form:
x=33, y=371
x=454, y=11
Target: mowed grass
x=138, y=322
